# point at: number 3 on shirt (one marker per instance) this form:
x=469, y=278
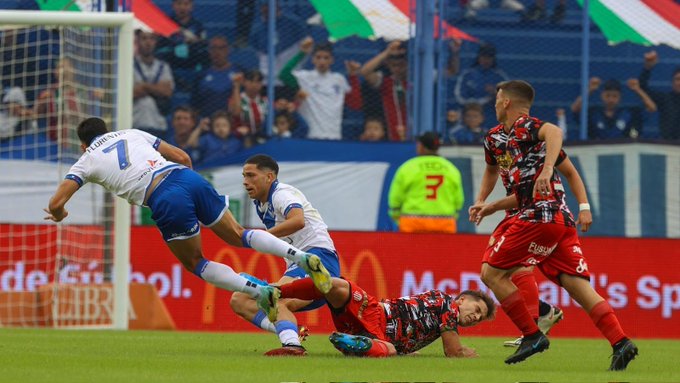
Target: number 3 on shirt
x=121, y=149
x=434, y=181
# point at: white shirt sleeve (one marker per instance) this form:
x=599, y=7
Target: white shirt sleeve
x=344, y=84
x=284, y=200
x=302, y=77
x=149, y=138
x=79, y=172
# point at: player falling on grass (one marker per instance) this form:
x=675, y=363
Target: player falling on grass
x=287, y=214
x=395, y=326
x=543, y=233
x=147, y=171
x=498, y=163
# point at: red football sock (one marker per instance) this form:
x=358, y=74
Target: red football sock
x=526, y=283
x=377, y=350
x=606, y=321
x=517, y=311
x=301, y=289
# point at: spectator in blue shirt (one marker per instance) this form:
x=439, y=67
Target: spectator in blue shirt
x=609, y=119
x=213, y=86
x=218, y=140
x=478, y=83
x=469, y=130
x=668, y=102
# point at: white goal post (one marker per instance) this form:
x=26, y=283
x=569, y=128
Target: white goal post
x=35, y=154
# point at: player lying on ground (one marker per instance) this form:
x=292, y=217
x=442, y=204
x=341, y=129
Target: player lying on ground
x=397, y=326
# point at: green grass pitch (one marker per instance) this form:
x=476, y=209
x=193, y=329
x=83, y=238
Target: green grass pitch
x=145, y=356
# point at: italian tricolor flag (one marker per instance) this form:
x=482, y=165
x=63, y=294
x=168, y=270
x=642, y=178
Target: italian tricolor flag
x=388, y=19
x=647, y=22
x=148, y=17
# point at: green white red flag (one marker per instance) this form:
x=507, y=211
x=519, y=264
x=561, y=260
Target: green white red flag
x=646, y=22
x=147, y=16
x=387, y=19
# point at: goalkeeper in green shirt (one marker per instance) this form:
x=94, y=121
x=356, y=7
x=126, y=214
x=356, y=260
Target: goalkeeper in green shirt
x=427, y=191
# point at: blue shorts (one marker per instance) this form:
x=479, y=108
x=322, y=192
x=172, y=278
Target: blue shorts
x=330, y=260
x=183, y=200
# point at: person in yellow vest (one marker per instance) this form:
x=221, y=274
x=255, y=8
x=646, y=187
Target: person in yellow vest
x=427, y=191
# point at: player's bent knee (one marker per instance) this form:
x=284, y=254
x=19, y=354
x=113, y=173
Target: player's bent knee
x=492, y=276
x=238, y=302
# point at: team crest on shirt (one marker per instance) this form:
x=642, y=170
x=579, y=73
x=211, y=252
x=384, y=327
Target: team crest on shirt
x=152, y=163
x=504, y=161
x=357, y=296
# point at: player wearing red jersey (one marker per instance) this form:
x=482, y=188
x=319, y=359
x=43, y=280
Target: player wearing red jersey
x=543, y=231
x=387, y=327
x=497, y=164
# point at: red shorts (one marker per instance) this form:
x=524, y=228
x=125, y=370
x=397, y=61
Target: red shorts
x=554, y=248
x=362, y=315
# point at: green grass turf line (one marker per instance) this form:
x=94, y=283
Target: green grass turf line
x=145, y=356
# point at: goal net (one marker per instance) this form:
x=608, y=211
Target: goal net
x=57, y=68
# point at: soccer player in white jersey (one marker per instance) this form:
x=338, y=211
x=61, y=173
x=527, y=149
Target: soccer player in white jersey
x=145, y=170
x=287, y=214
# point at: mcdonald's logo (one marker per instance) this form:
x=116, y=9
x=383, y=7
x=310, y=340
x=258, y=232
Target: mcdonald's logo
x=228, y=255
x=380, y=284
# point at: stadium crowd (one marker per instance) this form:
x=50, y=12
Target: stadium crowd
x=207, y=94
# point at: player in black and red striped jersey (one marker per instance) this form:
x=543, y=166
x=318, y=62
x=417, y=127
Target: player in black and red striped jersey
x=543, y=232
x=387, y=327
x=498, y=163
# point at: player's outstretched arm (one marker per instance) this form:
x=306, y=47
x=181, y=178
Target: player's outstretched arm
x=567, y=168
x=453, y=348
x=56, y=210
x=489, y=179
x=174, y=154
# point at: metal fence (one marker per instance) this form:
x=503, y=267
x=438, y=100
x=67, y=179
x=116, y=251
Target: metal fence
x=389, y=69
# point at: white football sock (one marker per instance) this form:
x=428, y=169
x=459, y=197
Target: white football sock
x=288, y=334
x=224, y=277
x=264, y=242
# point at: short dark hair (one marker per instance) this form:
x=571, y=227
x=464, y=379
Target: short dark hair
x=473, y=106
x=287, y=115
x=325, y=46
x=253, y=75
x=479, y=295
x=612, y=85
x=430, y=140
x=220, y=113
x=90, y=128
x=374, y=119
x=185, y=108
x=263, y=161
x=519, y=89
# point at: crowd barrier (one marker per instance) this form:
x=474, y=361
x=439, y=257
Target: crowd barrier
x=637, y=276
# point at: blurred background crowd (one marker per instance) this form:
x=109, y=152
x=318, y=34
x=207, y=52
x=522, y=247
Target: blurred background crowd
x=204, y=88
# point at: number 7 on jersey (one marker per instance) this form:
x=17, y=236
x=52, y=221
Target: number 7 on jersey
x=122, y=151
